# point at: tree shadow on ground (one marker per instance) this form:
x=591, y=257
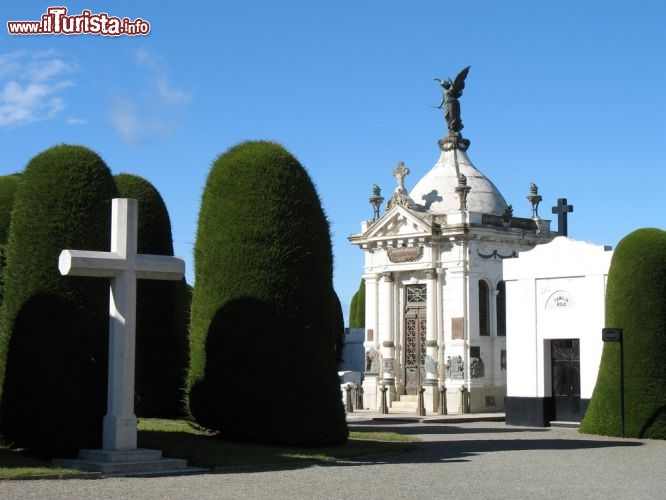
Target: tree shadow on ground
x=498, y=439
x=458, y=449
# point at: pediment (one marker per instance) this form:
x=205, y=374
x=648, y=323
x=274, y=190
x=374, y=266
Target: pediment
x=398, y=221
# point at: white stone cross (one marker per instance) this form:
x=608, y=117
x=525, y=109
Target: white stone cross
x=124, y=266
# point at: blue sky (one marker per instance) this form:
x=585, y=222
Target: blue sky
x=566, y=94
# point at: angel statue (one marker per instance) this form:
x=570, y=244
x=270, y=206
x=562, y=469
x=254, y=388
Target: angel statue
x=451, y=91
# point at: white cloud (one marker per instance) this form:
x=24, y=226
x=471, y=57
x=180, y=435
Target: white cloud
x=76, y=120
x=30, y=86
x=144, y=58
x=158, y=113
x=124, y=118
x=170, y=95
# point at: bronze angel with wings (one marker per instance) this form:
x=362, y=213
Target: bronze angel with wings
x=451, y=91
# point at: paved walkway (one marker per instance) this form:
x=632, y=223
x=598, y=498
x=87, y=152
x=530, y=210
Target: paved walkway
x=474, y=459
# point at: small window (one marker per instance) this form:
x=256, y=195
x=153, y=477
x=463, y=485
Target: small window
x=501, y=309
x=416, y=295
x=484, y=309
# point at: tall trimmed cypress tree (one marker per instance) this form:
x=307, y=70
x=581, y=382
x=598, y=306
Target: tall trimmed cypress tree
x=353, y=307
x=338, y=324
x=263, y=364
x=162, y=311
x=8, y=186
x=636, y=302
x=357, y=309
x=54, y=329
x=360, y=311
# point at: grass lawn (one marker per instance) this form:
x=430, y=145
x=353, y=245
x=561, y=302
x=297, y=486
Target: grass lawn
x=179, y=439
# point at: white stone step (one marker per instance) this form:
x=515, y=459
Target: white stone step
x=140, y=461
x=409, y=398
x=407, y=402
x=138, y=455
x=106, y=468
x=403, y=405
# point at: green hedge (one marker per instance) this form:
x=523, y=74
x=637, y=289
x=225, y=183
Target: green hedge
x=263, y=364
x=636, y=302
x=54, y=329
x=162, y=311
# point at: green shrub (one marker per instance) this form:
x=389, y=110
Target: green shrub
x=54, y=329
x=263, y=364
x=162, y=311
x=635, y=298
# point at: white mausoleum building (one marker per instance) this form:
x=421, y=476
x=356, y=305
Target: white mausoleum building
x=555, y=314
x=435, y=313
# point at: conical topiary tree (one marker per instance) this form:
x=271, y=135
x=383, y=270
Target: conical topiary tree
x=263, y=364
x=54, y=329
x=636, y=302
x=162, y=311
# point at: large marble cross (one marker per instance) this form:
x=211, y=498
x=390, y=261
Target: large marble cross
x=124, y=266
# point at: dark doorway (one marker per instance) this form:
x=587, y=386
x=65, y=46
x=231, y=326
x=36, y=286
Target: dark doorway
x=415, y=348
x=565, y=356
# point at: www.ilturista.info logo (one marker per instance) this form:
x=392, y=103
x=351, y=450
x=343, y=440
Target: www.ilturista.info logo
x=56, y=22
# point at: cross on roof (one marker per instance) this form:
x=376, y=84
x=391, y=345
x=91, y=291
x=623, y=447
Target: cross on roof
x=400, y=172
x=124, y=266
x=562, y=209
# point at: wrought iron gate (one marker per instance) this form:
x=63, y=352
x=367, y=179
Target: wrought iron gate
x=415, y=348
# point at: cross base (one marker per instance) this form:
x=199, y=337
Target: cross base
x=119, y=433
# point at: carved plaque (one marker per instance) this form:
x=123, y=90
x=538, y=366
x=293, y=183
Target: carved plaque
x=370, y=334
x=457, y=330
x=410, y=254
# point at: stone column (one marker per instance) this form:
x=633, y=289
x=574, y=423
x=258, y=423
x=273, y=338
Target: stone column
x=388, y=334
x=431, y=395
x=371, y=343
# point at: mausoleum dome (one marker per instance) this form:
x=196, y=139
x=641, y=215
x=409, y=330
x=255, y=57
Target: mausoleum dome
x=436, y=191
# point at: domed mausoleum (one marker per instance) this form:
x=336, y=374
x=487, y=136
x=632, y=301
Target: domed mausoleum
x=435, y=321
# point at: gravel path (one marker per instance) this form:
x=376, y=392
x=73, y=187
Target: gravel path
x=468, y=460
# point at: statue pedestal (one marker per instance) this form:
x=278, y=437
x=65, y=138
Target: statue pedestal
x=370, y=391
x=431, y=396
x=450, y=142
